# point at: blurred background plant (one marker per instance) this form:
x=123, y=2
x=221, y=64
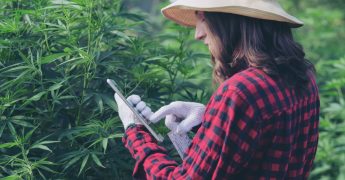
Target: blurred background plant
x=58, y=119
x=322, y=38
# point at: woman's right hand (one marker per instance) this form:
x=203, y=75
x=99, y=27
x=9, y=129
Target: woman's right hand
x=180, y=116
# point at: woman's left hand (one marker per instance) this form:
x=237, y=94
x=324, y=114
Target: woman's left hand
x=126, y=115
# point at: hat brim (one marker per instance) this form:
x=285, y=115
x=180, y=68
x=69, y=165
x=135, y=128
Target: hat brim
x=183, y=11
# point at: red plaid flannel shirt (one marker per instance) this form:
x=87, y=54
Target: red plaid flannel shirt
x=254, y=127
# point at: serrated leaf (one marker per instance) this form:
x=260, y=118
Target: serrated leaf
x=20, y=117
x=320, y=170
x=40, y=146
x=48, y=142
x=29, y=134
x=18, y=68
x=105, y=144
x=2, y=130
x=52, y=57
x=41, y=174
x=155, y=59
x=120, y=135
x=47, y=169
x=7, y=145
x=83, y=164
x=12, y=129
x=12, y=177
x=55, y=86
x=22, y=123
x=121, y=34
x=71, y=162
x=37, y=96
x=96, y=160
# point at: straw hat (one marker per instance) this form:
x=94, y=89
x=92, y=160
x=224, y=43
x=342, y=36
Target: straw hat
x=183, y=11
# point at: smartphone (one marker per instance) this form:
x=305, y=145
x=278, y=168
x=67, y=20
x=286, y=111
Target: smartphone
x=141, y=118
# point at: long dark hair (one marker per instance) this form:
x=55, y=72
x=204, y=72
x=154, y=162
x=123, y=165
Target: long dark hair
x=249, y=42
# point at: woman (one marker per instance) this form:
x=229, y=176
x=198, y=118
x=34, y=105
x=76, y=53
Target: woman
x=262, y=121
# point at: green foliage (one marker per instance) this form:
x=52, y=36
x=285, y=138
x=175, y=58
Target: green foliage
x=58, y=115
x=322, y=37
x=330, y=157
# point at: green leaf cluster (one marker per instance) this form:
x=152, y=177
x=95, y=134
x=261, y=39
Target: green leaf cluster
x=58, y=115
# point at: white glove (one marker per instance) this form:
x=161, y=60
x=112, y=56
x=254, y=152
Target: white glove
x=180, y=116
x=126, y=115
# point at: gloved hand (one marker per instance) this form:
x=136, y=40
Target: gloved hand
x=180, y=116
x=126, y=115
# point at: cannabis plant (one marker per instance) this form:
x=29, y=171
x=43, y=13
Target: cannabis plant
x=58, y=118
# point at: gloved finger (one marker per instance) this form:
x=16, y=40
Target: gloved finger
x=187, y=124
x=118, y=99
x=133, y=99
x=172, y=108
x=140, y=106
x=120, y=103
x=146, y=112
x=170, y=122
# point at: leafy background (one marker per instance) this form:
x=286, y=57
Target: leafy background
x=58, y=119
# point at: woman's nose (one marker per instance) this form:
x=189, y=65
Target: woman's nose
x=199, y=35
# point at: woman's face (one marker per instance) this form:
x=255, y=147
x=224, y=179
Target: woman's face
x=203, y=33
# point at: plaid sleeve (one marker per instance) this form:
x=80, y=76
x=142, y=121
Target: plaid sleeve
x=223, y=145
